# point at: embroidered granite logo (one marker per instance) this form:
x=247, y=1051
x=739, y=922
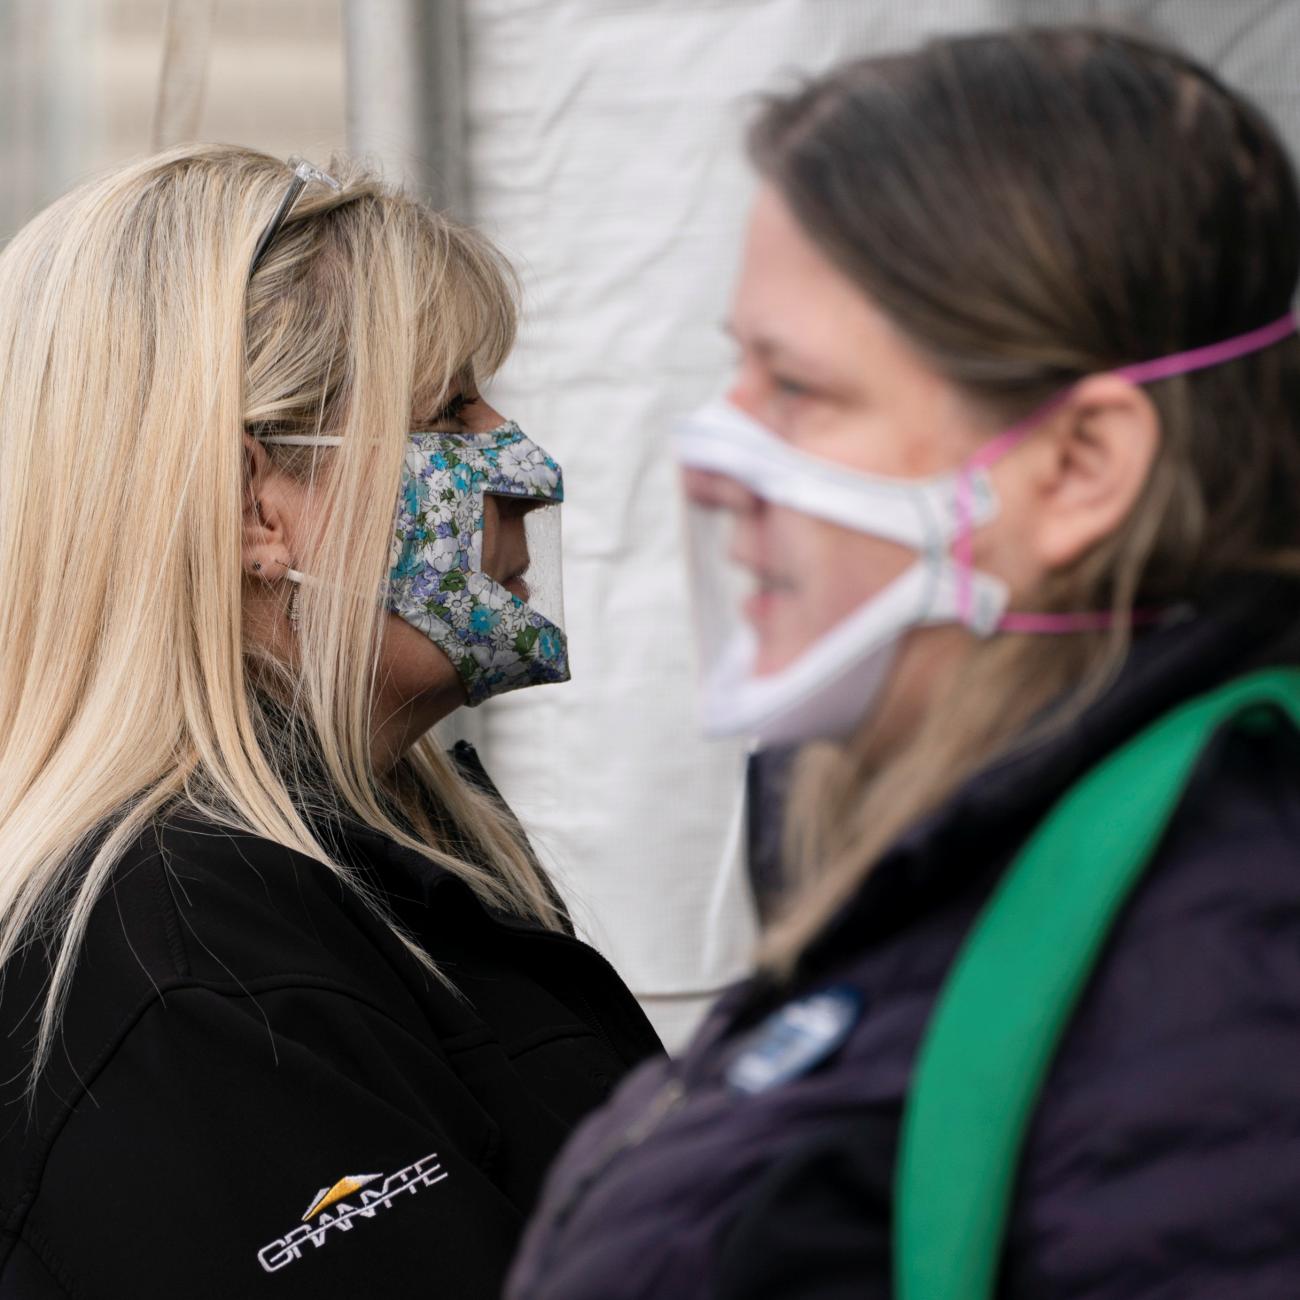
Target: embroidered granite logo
x=355, y=1197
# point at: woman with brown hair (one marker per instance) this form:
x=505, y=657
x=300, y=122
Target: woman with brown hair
x=1010, y=469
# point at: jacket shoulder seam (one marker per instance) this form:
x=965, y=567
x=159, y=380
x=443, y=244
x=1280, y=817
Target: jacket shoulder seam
x=171, y=920
x=53, y=1266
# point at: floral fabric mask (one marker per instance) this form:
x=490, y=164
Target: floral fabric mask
x=497, y=641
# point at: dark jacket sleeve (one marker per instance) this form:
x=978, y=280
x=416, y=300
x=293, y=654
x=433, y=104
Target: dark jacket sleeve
x=816, y=1226
x=1196, y=1198
x=195, y=1163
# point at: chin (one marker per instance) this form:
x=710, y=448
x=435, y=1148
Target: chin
x=413, y=672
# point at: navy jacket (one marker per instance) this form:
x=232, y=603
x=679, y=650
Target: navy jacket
x=258, y=1091
x=1164, y=1159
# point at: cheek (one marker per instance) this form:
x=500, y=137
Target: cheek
x=823, y=572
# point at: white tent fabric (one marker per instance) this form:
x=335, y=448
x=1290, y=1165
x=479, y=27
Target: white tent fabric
x=604, y=156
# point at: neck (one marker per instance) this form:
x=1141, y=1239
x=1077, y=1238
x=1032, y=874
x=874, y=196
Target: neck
x=399, y=721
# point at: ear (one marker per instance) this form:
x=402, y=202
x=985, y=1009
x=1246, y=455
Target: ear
x=1091, y=468
x=266, y=548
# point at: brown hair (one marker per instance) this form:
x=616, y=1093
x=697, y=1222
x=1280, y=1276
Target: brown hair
x=1028, y=208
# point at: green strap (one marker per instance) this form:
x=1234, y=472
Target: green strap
x=1015, y=984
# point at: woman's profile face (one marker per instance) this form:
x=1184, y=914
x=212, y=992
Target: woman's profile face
x=820, y=367
x=413, y=673
x=416, y=684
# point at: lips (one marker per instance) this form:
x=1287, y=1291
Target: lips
x=769, y=591
x=514, y=565
x=768, y=584
x=759, y=607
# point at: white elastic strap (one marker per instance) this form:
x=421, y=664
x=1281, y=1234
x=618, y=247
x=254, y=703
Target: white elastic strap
x=301, y=440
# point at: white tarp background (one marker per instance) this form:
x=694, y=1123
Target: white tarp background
x=604, y=155
x=600, y=143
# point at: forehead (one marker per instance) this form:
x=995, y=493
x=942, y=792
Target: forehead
x=791, y=296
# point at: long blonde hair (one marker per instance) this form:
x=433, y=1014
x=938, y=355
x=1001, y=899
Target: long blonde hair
x=1030, y=207
x=134, y=354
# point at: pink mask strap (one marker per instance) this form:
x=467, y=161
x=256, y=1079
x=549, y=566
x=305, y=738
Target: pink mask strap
x=990, y=453
x=1215, y=354
x=1097, y=621
x=1142, y=372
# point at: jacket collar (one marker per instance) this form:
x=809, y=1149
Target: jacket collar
x=409, y=878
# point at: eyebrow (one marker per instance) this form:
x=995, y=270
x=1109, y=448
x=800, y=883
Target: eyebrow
x=462, y=393
x=769, y=348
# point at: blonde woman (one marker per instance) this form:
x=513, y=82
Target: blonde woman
x=1010, y=466
x=288, y=1006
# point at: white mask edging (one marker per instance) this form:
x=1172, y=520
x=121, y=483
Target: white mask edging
x=826, y=691
x=828, y=688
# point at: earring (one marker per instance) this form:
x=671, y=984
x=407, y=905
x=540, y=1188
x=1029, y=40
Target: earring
x=257, y=566
x=293, y=596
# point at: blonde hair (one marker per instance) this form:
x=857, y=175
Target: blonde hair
x=134, y=354
x=1089, y=200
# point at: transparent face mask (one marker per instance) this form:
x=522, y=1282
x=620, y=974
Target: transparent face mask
x=722, y=588
x=735, y=466
x=538, y=546
x=806, y=575
x=783, y=645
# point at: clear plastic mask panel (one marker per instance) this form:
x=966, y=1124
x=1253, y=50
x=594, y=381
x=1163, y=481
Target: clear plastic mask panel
x=543, y=579
x=758, y=574
x=723, y=590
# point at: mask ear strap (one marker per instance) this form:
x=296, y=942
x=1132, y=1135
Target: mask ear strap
x=300, y=440
x=1142, y=372
x=1214, y=354
x=992, y=452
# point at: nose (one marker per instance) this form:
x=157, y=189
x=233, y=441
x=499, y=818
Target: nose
x=505, y=541
x=745, y=394
x=510, y=508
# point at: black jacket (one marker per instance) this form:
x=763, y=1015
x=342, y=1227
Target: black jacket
x=258, y=1091
x=1163, y=1162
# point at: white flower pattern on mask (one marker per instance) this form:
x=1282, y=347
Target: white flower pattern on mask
x=497, y=642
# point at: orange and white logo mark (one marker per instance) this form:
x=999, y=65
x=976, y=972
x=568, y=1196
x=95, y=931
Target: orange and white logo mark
x=345, y=1186
x=341, y=1207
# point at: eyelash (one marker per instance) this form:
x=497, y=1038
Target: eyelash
x=452, y=409
x=789, y=387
